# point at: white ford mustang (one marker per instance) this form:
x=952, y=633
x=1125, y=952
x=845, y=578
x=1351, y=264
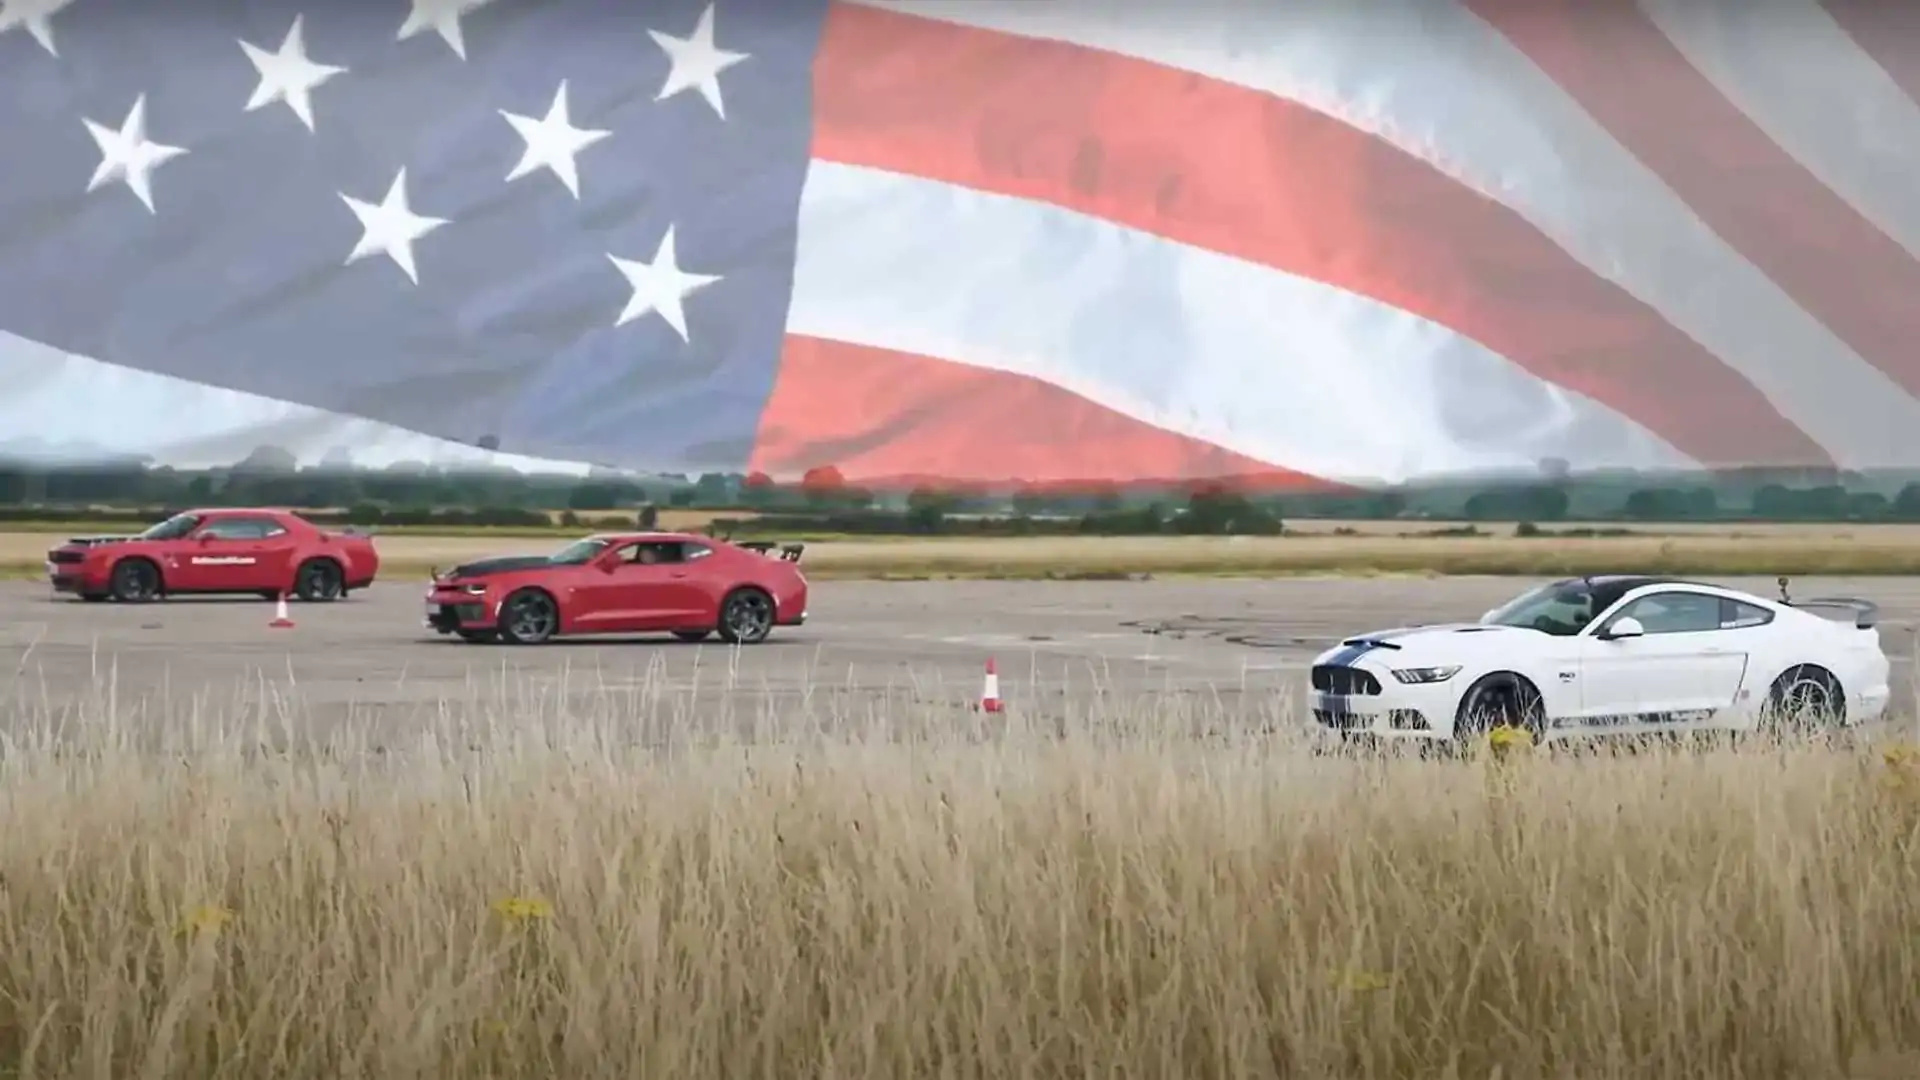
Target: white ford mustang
x=1611, y=655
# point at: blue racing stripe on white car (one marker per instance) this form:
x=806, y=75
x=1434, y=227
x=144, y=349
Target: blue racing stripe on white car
x=1345, y=657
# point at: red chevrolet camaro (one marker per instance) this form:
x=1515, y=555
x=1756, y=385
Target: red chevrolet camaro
x=624, y=583
x=229, y=550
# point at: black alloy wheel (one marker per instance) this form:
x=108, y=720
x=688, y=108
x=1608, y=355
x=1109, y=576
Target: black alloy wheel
x=319, y=580
x=1803, y=701
x=529, y=617
x=134, y=581
x=1500, y=700
x=746, y=617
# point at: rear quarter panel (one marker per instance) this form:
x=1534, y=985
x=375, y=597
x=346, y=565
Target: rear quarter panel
x=1795, y=638
x=730, y=568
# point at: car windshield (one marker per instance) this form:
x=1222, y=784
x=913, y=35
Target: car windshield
x=1562, y=609
x=578, y=553
x=173, y=528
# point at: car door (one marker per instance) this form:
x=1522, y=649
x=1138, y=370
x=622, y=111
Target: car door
x=1684, y=665
x=224, y=555
x=627, y=590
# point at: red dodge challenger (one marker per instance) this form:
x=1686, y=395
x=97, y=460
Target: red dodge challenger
x=624, y=583
x=269, y=552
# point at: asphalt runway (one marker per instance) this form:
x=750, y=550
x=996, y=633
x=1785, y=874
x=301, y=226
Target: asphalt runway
x=1062, y=648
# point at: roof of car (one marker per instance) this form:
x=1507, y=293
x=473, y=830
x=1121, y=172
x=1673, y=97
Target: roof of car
x=1625, y=582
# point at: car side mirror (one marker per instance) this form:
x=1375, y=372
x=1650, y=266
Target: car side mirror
x=1624, y=628
x=205, y=538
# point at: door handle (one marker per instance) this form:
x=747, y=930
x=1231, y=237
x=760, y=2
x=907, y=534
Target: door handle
x=679, y=573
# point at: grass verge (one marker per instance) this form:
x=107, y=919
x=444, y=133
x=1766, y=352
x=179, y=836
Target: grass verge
x=527, y=884
x=1859, y=553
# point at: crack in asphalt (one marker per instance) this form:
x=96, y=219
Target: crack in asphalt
x=1251, y=633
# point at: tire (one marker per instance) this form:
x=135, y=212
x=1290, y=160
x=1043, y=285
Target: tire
x=529, y=617
x=1804, y=700
x=319, y=581
x=692, y=635
x=746, y=616
x=1502, y=699
x=478, y=637
x=134, y=581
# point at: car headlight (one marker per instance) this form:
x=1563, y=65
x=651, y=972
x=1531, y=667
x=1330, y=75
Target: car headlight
x=1416, y=675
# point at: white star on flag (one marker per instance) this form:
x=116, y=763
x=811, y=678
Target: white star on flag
x=553, y=143
x=391, y=227
x=696, y=63
x=660, y=286
x=443, y=18
x=288, y=75
x=128, y=155
x=36, y=16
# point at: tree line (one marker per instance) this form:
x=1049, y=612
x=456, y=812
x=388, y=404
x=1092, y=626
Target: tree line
x=823, y=500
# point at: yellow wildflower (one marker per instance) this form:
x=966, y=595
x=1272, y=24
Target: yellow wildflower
x=1360, y=982
x=206, y=919
x=1506, y=741
x=516, y=909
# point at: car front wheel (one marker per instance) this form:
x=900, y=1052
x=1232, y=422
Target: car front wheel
x=134, y=581
x=1501, y=699
x=529, y=617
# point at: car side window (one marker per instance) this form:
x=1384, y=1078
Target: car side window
x=241, y=529
x=651, y=553
x=1735, y=615
x=691, y=551
x=1674, y=613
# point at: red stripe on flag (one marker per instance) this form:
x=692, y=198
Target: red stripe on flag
x=1888, y=31
x=1219, y=166
x=879, y=415
x=1833, y=262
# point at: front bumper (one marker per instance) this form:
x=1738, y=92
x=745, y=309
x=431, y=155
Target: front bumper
x=1383, y=706
x=73, y=577
x=449, y=610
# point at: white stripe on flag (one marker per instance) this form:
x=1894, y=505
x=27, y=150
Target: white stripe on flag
x=1805, y=81
x=1439, y=83
x=1277, y=367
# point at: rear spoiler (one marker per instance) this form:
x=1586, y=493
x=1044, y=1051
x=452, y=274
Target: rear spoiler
x=1866, y=613
x=788, y=552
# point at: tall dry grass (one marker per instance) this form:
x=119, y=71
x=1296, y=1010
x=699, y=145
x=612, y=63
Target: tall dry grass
x=526, y=882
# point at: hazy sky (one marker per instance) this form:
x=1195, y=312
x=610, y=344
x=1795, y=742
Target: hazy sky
x=56, y=402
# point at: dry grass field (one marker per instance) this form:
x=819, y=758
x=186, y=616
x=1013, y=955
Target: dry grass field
x=514, y=890
x=1854, y=551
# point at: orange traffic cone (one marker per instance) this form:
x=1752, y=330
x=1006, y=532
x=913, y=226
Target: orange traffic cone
x=990, y=689
x=281, y=619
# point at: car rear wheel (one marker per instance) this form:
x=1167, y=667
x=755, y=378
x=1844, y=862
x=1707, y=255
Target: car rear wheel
x=134, y=581
x=318, y=580
x=528, y=617
x=746, y=617
x=1805, y=700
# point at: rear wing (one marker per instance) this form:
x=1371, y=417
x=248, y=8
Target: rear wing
x=788, y=552
x=1866, y=613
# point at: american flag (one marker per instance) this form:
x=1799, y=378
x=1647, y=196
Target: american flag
x=983, y=240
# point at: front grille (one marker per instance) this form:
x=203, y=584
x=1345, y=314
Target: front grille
x=452, y=615
x=1335, y=679
x=63, y=556
x=1342, y=720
